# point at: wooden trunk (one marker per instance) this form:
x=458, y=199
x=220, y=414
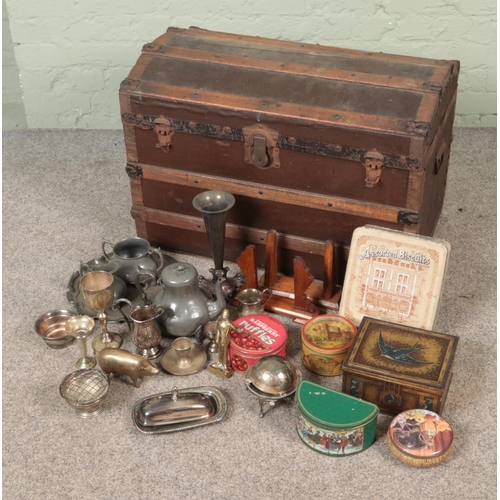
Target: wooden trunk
x=312, y=141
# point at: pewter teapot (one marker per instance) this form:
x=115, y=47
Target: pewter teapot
x=187, y=307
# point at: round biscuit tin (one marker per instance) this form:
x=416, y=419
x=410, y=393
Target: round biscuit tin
x=262, y=335
x=420, y=438
x=325, y=342
x=334, y=423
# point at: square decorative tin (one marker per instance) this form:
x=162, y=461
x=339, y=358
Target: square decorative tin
x=398, y=367
x=333, y=423
x=394, y=276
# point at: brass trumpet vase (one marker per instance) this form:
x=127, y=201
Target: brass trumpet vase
x=98, y=293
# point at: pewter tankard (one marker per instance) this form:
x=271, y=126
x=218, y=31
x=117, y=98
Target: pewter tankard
x=144, y=328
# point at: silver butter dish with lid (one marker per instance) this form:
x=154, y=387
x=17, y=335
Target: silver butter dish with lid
x=179, y=409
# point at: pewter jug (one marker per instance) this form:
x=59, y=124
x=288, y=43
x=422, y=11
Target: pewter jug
x=144, y=329
x=252, y=301
x=131, y=253
x=187, y=307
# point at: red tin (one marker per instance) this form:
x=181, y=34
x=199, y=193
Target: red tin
x=262, y=336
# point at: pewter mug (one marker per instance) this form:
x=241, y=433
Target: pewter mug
x=132, y=253
x=252, y=301
x=144, y=329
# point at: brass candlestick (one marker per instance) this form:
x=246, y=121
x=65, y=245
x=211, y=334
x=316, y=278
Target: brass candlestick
x=98, y=292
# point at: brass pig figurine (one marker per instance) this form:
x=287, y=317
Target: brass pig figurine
x=121, y=361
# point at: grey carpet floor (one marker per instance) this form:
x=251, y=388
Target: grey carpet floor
x=63, y=191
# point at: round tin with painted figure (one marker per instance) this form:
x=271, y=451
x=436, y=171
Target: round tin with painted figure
x=420, y=438
x=333, y=423
x=325, y=342
x=262, y=335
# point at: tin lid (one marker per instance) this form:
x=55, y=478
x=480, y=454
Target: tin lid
x=421, y=435
x=329, y=408
x=329, y=333
x=394, y=276
x=392, y=351
x=262, y=335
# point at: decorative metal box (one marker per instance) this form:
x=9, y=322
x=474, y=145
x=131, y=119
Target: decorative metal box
x=420, y=438
x=262, y=336
x=332, y=423
x=394, y=276
x=398, y=367
x=325, y=342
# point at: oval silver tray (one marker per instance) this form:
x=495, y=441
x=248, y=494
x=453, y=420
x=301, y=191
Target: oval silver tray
x=165, y=402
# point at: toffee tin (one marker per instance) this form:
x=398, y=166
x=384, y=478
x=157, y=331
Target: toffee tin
x=325, y=342
x=333, y=423
x=420, y=438
x=262, y=336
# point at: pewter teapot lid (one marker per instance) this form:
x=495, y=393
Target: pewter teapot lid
x=179, y=274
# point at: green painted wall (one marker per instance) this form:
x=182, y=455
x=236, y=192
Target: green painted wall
x=13, y=113
x=72, y=54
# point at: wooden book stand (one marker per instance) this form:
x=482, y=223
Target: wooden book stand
x=300, y=296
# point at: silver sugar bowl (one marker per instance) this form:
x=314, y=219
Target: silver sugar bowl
x=272, y=379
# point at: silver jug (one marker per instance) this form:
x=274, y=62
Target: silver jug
x=187, y=307
x=252, y=301
x=144, y=328
x=131, y=253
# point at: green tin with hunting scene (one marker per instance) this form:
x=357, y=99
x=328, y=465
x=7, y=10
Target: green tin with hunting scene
x=334, y=423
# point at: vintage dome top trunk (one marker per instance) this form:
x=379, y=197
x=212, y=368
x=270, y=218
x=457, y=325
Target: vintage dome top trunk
x=313, y=141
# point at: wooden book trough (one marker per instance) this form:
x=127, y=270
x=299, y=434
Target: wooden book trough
x=301, y=296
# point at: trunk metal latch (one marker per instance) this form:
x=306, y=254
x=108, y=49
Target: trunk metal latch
x=373, y=163
x=163, y=128
x=260, y=146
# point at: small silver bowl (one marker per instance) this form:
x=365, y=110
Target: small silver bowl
x=51, y=328
x=85, y=390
